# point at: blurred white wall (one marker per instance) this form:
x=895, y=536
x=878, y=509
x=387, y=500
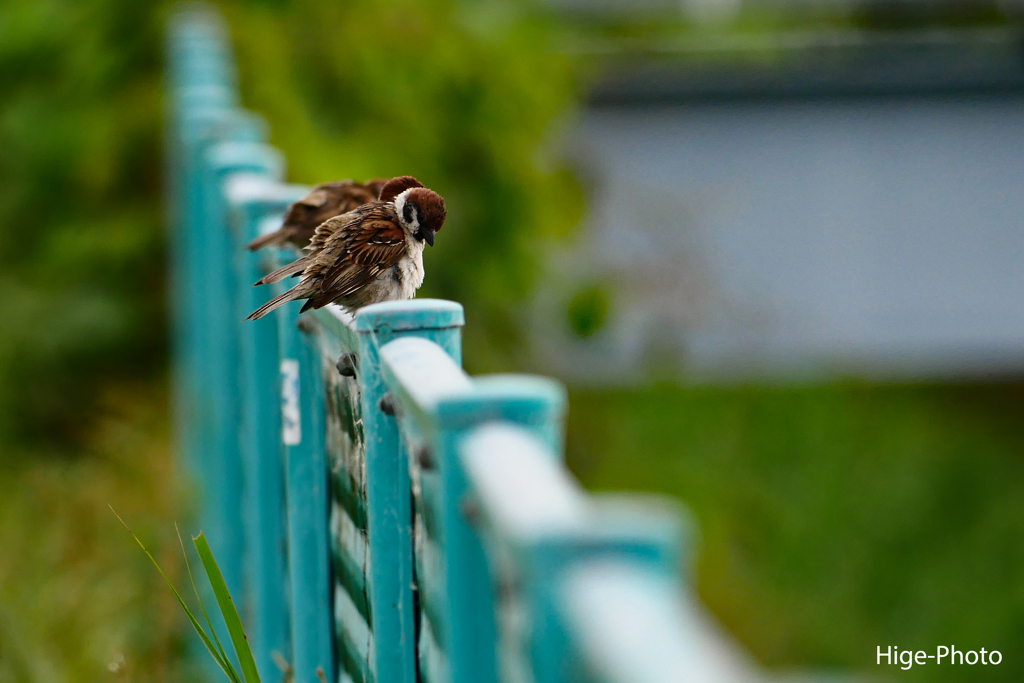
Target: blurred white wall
x=874, y=237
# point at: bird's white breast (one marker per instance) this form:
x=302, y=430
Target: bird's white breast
x=410, y=268
x=397, y=283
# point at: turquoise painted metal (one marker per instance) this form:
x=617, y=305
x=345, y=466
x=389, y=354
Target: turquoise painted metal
x=439, y=405
x=258, y=202
x=379, y=515
x=387, y=477
x=200, y=117
x=302, y=403
x=224, y=161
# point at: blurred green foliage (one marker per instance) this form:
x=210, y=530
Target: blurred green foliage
x=835, y=519
x=462, y=96
x=588, y=310
x=78, y=601
x=80, y=241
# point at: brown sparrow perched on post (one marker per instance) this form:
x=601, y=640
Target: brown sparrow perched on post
x=369, y=255
x=324, y=201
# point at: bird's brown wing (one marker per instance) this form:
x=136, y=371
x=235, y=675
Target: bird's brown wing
x=318, y=196
x=362, y=245
x=343, y=198
x=305, y=214
x=324, y=201
x=355, y=196
x=300, y=215
x=327, y=228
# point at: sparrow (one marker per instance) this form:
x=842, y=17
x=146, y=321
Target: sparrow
x=324, y=201
x=371, y=254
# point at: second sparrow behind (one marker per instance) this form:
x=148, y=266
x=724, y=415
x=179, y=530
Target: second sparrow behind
x=366, y=256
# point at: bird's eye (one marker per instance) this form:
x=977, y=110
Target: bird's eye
x=420, y=216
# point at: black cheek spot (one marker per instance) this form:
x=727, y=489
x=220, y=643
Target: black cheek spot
x=407, y=212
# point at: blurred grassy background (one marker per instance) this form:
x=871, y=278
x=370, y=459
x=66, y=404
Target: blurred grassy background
x=83, y=419
x=834, y=518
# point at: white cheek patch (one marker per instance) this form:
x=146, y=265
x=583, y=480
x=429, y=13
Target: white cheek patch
x=414, y=224
x=400, y=202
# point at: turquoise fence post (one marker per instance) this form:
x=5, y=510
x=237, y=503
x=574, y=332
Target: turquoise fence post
x=227, y=533
x=201, y=76
x=345, y=447
x=302, y=431
x=201, y=114
x=437, y=405
x=181, y=272
x=202, y=128
x=260, y=202
x=541, y=529
x=535, y=403
x=389, y=511
x=650, y=539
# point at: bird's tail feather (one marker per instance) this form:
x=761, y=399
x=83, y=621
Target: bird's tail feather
x=293, y=268
x=265, y=240
x=279, y=300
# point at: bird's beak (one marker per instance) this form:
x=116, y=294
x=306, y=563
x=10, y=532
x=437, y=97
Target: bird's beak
x=428, y=235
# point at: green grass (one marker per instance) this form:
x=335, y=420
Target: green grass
x=78, y=601
x=225, y=603
x=835, y=518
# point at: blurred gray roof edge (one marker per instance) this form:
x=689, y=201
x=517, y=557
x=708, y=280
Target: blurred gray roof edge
x=815, y=64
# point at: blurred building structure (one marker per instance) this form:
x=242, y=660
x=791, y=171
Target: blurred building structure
x=809, y=204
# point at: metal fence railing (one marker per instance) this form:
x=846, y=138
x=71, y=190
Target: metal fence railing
x=380, y=516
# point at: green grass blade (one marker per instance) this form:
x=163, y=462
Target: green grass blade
x=224, y=665
x=227, y=609
x=232, y=674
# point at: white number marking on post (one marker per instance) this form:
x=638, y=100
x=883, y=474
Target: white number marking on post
x=291, y=421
